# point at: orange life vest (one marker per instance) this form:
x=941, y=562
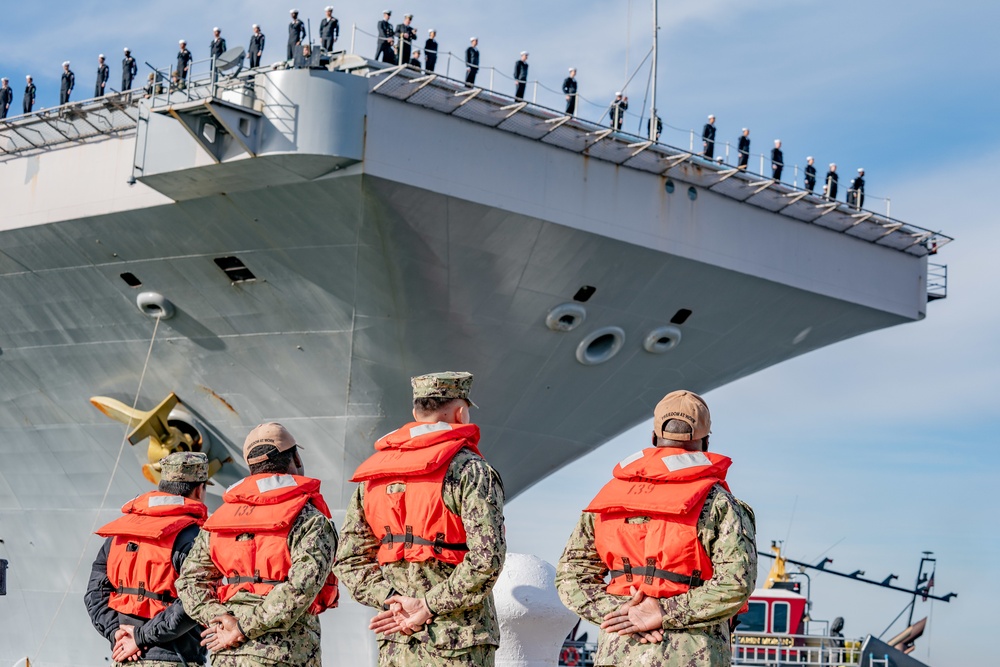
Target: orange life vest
x=139, y=559
x=403, y=486
x=646, y=528
x=248, y=535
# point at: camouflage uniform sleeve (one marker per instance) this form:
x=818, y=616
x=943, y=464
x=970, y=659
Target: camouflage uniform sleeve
x=580, y=575
x=357, y=557
x=473, y=490
x=196, y=583
x=312, y=542
x=726, y=529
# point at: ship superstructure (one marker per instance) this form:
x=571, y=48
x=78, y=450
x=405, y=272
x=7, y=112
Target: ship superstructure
x=302, y=241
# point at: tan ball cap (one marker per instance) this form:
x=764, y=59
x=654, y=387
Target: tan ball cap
x=271, y=433
x=686, y=406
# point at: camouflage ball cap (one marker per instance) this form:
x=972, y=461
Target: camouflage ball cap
x=689, y=408
x=183, y=467
x=448, y=384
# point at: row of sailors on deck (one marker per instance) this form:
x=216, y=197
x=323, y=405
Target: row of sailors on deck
x=855, y=194
x=329, y=29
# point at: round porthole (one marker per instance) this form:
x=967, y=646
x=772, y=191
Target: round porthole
x=669, y=187
x=154, y=304
x=662, y=339
x=600, y=346
x=692, y=193
x=566, y=317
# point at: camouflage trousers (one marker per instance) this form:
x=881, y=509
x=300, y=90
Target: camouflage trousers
x=418, y=654
x=151, y=663
x=257, y=661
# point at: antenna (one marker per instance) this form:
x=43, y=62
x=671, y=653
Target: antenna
x=656, y=40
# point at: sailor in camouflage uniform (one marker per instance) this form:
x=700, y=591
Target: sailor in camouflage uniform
x=678, y=546
x=265, y=616
x=423, y=539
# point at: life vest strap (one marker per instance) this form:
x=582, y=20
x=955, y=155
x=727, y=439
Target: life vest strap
x=409, y=539
x=143, y=594
x=255, y=579
x=651, y=572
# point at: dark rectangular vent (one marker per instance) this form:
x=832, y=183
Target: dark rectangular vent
x=681, y=316
x=584, y=293
x=131, y=280
x=235, y=269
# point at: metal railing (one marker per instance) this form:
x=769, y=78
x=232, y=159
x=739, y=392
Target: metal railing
x=937, y=281
x=490, y=78
x=72, y=122
x=758, y=648
x=504, y=112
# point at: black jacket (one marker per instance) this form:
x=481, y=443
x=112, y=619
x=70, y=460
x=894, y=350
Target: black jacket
x=256, y=44
x=329, y=28
x=744, y=145
x=296, y=31
x=521, y=70
x=472, y=57
x=777, y=157
x=569, y=86
x=6, y=97
x=217, y=47
x=708, y=132
x=183, y=62
x=68, y=81
x=170, y=635
x=385, y=31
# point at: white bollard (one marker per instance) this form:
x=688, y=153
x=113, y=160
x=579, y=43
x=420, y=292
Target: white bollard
x=533, y=621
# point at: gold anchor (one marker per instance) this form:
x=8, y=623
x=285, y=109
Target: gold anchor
x=164, y=438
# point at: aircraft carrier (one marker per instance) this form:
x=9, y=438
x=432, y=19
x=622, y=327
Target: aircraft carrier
x=294, y=244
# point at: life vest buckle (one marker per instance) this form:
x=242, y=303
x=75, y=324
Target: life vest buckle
x=627, y=566
x=650, y=570
x=696, y=580
x=408, y=540
x=439, y=543
x=142, y=591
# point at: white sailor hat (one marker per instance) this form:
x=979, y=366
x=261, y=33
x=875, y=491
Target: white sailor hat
x=744, y=130
x=809, y=157
x=524, y=53
x=328, y=9
x=254, y=26
x=101, y=56
x=407, y=16
x=431, y=30
x=387, y=11
x=27, y=76
x=572, y=69
x=711, y=116
x=618, y=93
x=861, y=169
x=182, y=41
x=216, y=30
x=833, y=164
x=293, y=11
x=128, y=50
x=66, y=63
x=473, y=39
x=5, y=80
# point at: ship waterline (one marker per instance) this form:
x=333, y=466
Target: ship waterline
x=381, y=240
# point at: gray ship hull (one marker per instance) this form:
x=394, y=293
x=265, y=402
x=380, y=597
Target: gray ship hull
x=385, y=240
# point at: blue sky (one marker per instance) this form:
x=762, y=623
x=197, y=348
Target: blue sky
x=880, y=447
